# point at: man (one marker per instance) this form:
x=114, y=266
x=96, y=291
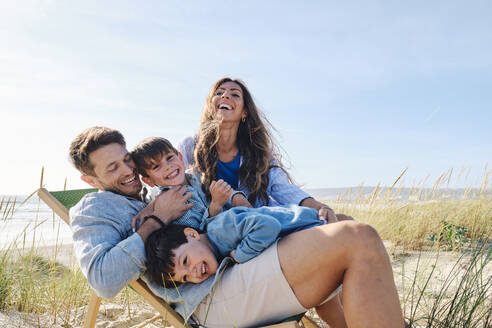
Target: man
x=300, y=273
x=109, y=254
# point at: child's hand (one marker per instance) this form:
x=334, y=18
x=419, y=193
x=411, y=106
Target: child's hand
x=231, y=254
x=220, y=192
x=327, y=214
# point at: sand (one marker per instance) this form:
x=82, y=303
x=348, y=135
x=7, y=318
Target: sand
x=110, y=315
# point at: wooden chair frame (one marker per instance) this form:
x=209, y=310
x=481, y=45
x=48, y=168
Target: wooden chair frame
x=164, y=310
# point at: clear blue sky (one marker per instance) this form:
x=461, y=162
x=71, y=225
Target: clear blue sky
x=357, y=90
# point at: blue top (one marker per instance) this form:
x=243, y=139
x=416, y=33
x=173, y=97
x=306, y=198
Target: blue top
x=228, y=171
x=280, y=191
x=249, y=231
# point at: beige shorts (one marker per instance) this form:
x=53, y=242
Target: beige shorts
x=252, y=293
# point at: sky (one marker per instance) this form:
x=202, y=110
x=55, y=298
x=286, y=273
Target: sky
x=357, y=91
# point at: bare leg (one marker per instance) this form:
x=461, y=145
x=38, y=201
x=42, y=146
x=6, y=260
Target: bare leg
x=332, y=313
x=317, y=260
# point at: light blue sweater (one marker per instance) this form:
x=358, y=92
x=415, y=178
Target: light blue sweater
x=249, y=231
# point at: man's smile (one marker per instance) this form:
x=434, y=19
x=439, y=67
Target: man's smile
x=129, y=180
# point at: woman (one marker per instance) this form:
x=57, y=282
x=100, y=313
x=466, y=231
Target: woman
x=235, y=145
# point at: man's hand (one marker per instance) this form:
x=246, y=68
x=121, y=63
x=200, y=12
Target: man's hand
x=220, y=192
x=168, y=206
x=172, y=204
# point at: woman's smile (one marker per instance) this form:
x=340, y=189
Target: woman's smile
x=224, y=106
x=228, y=102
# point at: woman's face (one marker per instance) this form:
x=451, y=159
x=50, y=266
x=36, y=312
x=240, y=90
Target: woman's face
x=228, y=102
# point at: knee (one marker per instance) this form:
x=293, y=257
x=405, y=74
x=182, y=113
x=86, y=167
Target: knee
x=362, y=236
x=366, y=232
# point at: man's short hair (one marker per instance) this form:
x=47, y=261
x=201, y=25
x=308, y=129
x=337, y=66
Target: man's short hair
x=152, y=148
x=90, y=140
x=159, y=248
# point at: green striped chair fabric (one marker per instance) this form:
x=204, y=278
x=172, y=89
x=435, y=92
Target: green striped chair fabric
x=69, y=198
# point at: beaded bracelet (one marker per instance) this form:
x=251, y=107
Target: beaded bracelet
x=155, y=218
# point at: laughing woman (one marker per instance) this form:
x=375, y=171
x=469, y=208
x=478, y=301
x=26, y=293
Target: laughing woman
x=234, y=144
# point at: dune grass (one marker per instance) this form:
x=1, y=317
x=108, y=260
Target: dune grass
x=423, y=224
x=45, y=292
x=428, y=223
x=424, y=215
x=460, y=298
x=416, y=225
x=34, y=283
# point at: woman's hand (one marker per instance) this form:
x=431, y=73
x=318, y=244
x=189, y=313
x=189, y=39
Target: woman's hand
x=325, y=213
x=343, y=217
x=220, y=192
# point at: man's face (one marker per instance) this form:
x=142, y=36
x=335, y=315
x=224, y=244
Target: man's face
x=194, y=261
x=114, y=171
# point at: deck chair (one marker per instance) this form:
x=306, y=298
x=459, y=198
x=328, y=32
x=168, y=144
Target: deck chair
x=61, y=201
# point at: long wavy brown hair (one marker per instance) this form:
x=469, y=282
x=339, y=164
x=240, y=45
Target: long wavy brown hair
x=254, y=140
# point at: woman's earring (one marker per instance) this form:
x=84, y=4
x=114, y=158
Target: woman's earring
x=243, y=119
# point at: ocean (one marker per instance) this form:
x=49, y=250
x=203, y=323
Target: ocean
x=32, y=223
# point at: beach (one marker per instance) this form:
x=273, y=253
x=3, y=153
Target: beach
x=425, y=275
x=115, y=313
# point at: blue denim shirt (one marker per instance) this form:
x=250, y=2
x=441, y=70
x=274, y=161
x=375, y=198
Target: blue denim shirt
x=111, y=255
x=249, y=231
x=280, y=191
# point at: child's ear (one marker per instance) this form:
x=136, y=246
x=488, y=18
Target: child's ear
x=148, y=181
x=180, y=156
x=90, y=180
x=190, y=232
